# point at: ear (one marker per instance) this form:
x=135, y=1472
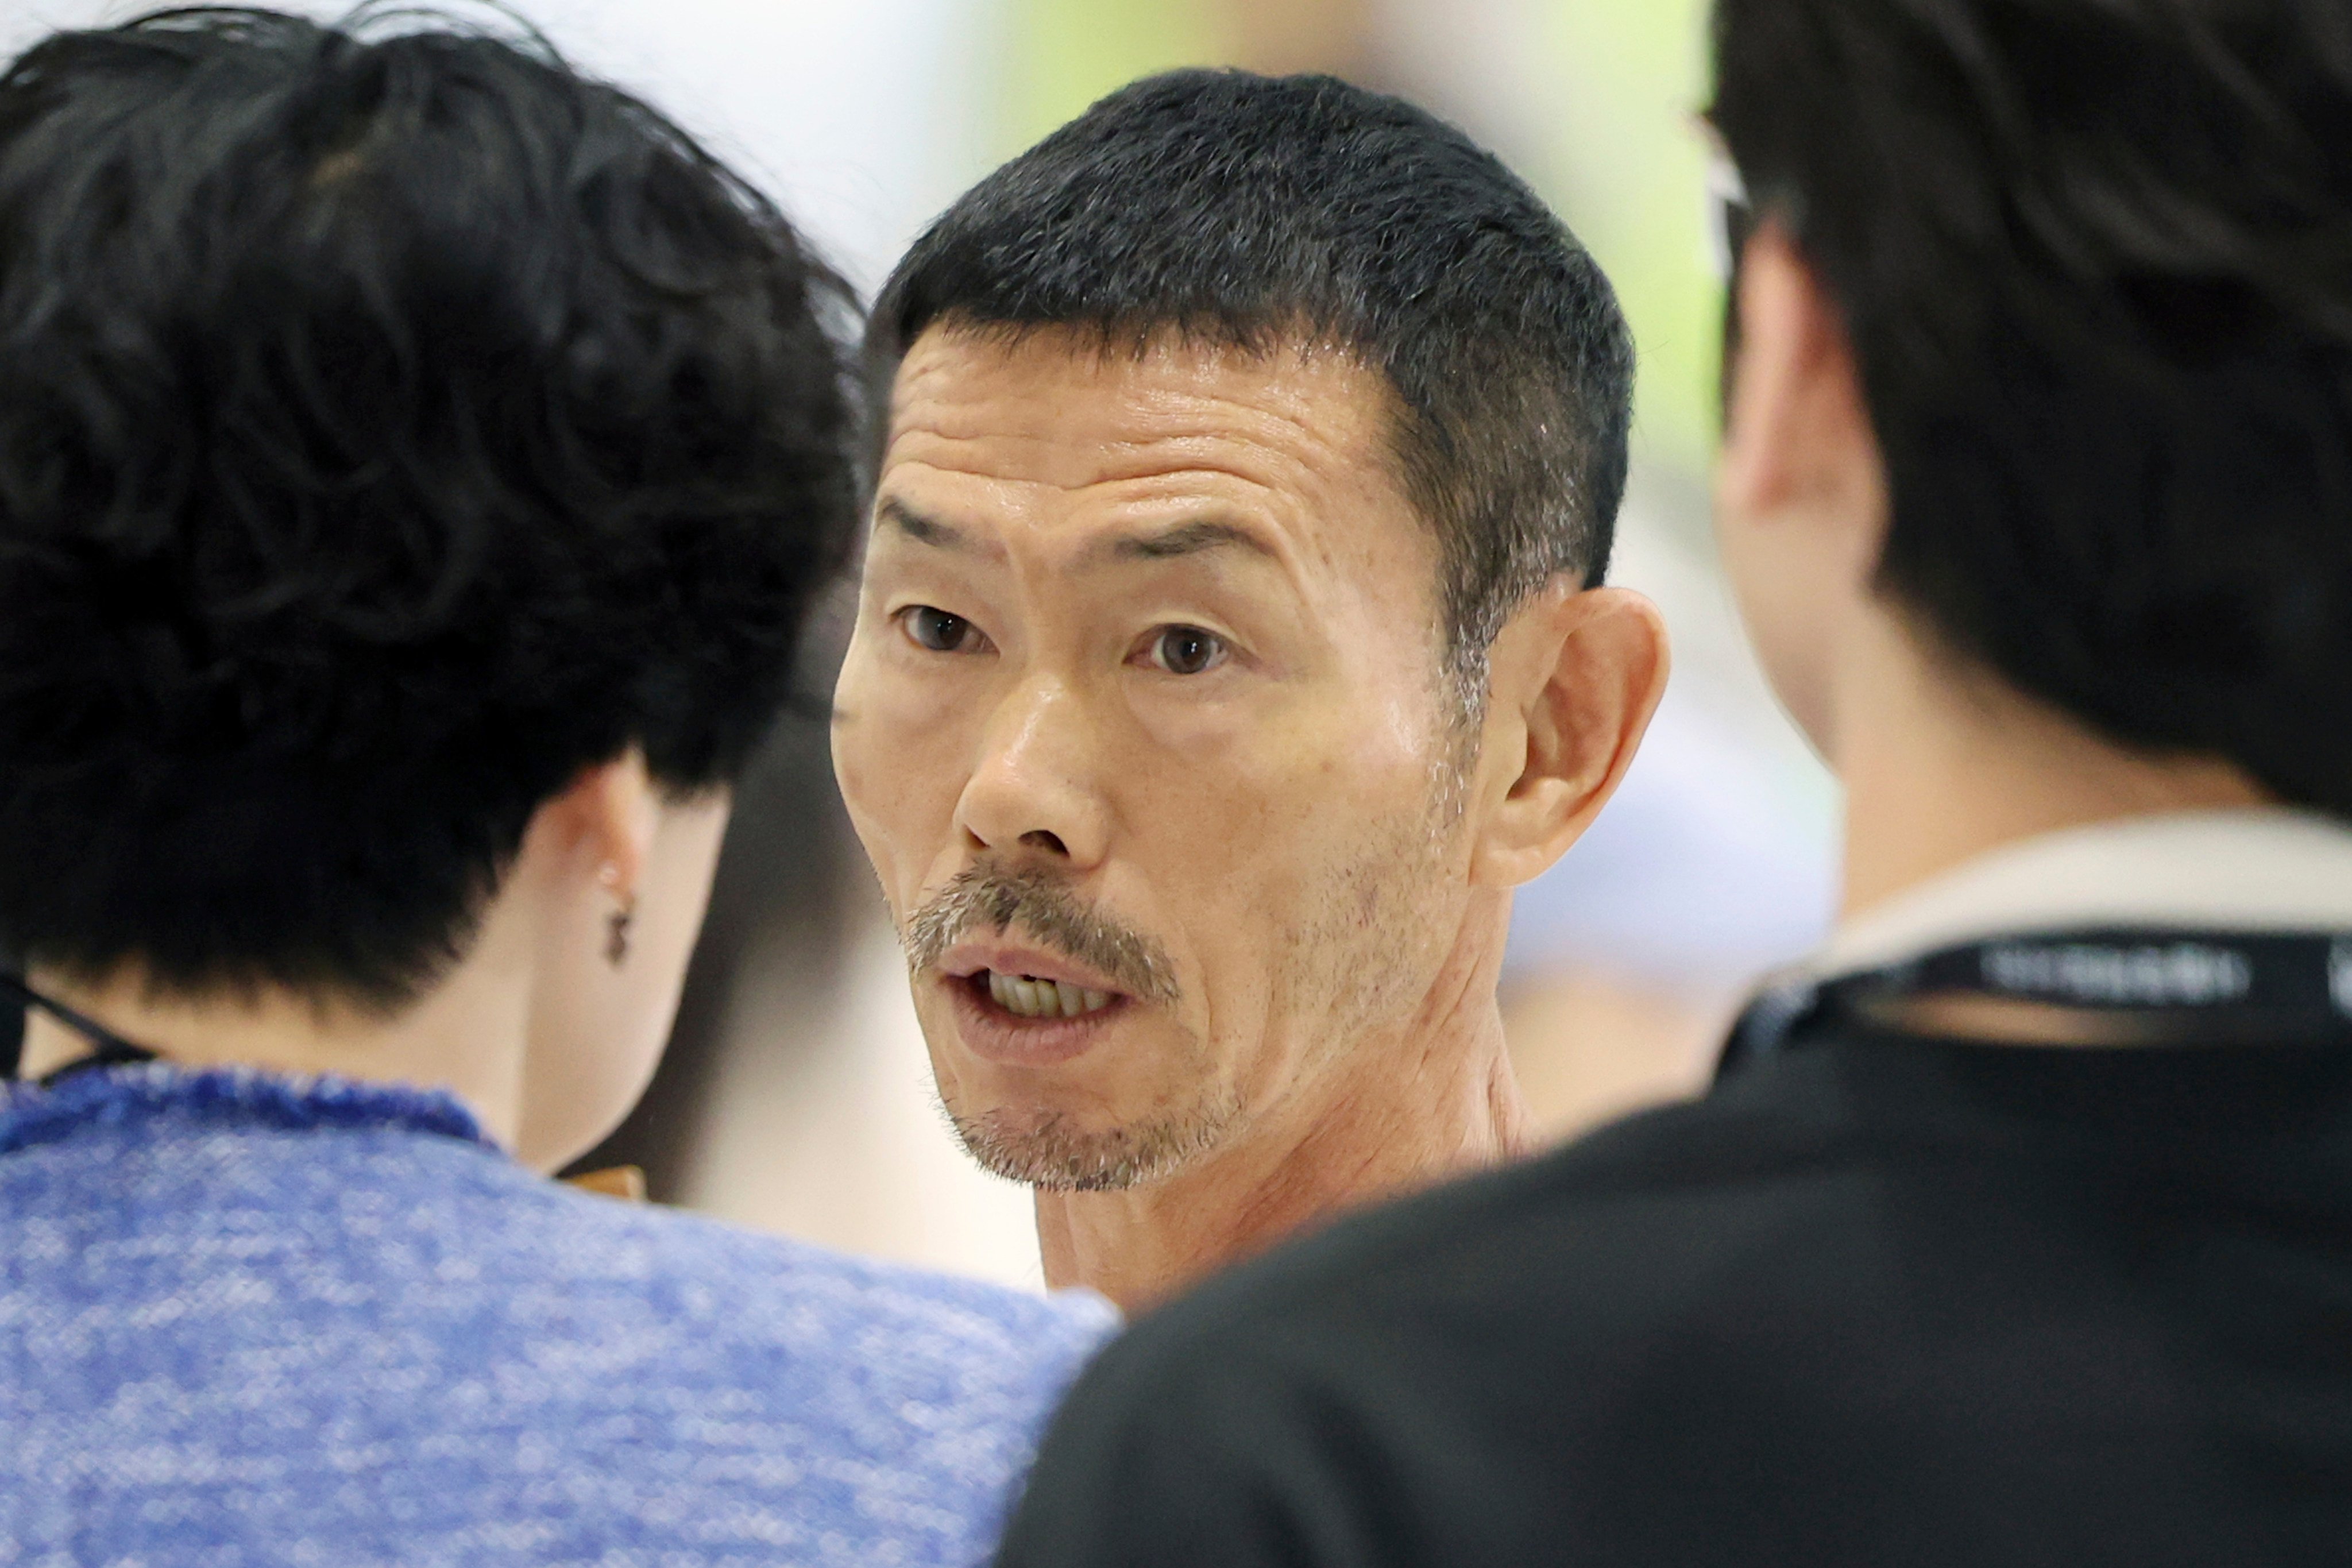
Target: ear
x=1797, y=434
x=1575, y=677
x=602, y=827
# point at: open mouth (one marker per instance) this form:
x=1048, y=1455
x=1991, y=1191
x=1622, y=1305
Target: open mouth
x=1028, y=1007
x=1030, y=996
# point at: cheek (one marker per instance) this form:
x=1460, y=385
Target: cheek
x=1256, y=831
x=1276, y=762
x=594, y=1041
x=896, y=751
x=1776, y=589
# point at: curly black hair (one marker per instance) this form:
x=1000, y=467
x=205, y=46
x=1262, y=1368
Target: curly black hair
x=393, y=425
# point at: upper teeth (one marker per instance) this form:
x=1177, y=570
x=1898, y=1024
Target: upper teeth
x=1043, y=998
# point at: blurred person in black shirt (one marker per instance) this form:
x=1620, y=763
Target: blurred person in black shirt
x=2018, y=1225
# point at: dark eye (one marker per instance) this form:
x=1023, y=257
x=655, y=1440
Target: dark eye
x=1188, y=650
x=940, y=631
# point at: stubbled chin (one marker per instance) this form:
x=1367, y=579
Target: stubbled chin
x=1048, y=1149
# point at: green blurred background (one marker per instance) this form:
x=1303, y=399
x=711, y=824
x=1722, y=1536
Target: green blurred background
x=1608, y=136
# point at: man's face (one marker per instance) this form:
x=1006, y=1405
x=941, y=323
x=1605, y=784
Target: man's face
x=1144, y=729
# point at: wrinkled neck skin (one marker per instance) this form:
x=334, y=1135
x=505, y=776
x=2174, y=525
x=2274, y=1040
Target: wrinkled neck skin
x=1431, y=1098
x=1942, y=763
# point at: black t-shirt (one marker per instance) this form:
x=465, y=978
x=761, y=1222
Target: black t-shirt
x=1876, y=1301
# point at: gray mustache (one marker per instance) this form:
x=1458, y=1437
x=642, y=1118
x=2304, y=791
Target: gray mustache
x=982, y=897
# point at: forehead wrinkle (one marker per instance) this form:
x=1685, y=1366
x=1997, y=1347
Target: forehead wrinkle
x=1328, y=410
x=1043, y=447
x=1157, y=501
x=1316, y=457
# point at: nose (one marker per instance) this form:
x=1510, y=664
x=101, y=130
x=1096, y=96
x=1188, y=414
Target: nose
x=1034, y=790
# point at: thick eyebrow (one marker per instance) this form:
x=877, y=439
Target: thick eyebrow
x=1187, y=539
x=923, y=530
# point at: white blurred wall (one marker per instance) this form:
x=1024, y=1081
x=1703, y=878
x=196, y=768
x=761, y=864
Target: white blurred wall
x=825, y=1125
x=860, y=115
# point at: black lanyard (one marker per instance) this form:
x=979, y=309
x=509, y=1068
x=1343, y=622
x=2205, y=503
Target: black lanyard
x=107, y=1047
x=2161, y=986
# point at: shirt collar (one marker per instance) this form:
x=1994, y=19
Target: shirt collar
x=118, y=1096
x=2256, y=869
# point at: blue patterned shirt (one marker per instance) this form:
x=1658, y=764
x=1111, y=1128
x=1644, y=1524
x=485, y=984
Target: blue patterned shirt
x=248, y=1320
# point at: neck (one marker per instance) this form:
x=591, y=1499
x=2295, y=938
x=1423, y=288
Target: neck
x=1941, y=762
x=1419, y=1104
x=466, y=1036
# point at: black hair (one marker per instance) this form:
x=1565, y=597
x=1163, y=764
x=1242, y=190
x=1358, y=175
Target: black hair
x=392, y=425
x=1257, y=211
x=2094, y=258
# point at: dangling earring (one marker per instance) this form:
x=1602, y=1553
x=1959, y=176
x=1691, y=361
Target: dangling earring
x=617, y=923
x=617, y=932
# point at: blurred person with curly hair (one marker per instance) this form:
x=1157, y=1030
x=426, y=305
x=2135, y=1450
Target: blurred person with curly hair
x=416, y=463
